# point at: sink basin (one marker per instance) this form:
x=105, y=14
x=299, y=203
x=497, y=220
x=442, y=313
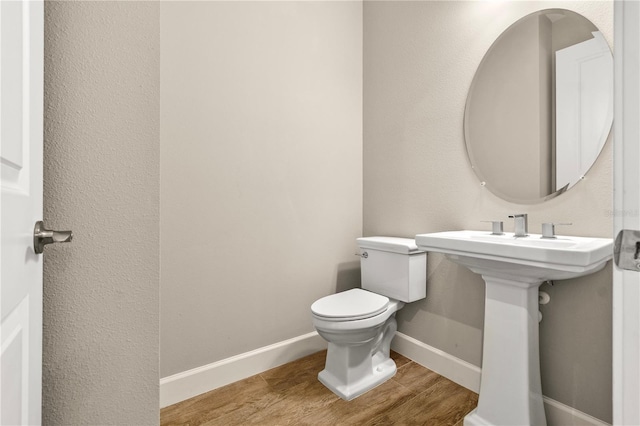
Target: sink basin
x=513, y=269
x=540, y=258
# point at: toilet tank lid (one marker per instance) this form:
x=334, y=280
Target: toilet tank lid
x=390, y=244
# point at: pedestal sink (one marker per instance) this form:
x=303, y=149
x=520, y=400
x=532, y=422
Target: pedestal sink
x=513, y=269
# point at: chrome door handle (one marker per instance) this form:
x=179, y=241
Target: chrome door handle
x=42, y=237
x=626, y=250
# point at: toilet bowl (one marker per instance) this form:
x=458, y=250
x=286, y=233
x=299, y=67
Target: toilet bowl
x=359, y=324
x=359, y=341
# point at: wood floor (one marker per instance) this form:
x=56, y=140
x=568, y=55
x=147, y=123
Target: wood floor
x=292, y=395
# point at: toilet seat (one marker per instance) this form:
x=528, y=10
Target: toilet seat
x=350, y=305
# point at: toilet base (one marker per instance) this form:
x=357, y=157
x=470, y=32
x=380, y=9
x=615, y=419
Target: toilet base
x=353, y=369
x=473, y=419
x=348, y=391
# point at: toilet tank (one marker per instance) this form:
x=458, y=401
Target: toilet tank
x=393, y=267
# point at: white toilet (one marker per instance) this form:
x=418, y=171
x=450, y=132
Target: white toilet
x=359, y=324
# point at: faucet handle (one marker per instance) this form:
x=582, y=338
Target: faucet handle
x=549, y=229
x=497, y=227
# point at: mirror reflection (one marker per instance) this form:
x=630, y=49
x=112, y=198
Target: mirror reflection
x=540, y=107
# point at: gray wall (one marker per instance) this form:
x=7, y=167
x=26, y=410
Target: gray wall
x=419, y=61
x=261, y=171
x=101, y=153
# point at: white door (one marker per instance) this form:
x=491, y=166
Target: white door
x=21, y=98
x=584, y=106
x=626, y=166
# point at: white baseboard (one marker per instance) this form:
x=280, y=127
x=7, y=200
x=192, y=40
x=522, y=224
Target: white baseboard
x=561, y=414
x=188, y=384
x=454, y=369
x=468, y=375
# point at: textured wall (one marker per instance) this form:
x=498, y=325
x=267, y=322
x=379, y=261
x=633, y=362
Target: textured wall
x=419, y=61
x=261, y=171
x=101, y=154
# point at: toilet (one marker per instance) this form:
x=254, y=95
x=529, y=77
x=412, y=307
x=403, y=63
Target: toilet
x=360, y=323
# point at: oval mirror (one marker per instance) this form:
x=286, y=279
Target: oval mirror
x=540, y=106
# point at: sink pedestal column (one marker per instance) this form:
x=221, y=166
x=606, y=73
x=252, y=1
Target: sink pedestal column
x=513, y=269
x=510, y=389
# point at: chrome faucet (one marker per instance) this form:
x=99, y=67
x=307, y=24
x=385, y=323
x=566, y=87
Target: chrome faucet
x=521, y=227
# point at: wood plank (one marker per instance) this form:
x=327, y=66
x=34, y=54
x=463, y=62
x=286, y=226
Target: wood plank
x=444, y=403
x=416, y=377
x=292, y=395
x=214, y=404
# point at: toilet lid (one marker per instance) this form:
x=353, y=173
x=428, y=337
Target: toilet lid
x=350, y=305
